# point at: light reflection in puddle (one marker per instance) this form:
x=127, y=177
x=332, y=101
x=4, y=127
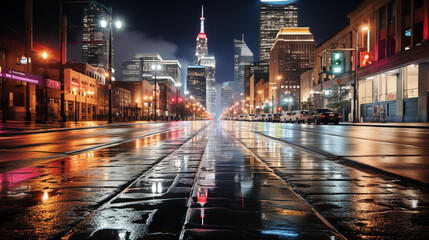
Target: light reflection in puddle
x=45, y=195
x=156, y=187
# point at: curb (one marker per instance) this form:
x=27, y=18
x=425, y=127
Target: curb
x=70, y=129
x=348, y=161
x=384, y=126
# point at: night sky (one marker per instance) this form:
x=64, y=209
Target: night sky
x=170, y=27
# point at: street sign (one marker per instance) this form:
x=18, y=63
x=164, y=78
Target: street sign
x=21, y=76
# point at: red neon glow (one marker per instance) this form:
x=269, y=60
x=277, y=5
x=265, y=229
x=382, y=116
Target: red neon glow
x=202, y=35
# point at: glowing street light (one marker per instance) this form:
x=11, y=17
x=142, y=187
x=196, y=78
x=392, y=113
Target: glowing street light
x=118, y=25
x=155, y=68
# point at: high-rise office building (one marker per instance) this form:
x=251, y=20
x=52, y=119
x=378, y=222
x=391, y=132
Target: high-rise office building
x=208, y=63
x=196, y=79
x=202, y=49
x=291, y=55
x=274, y=15
x=242, y=57
x=257, y=70
x=210, y=66
x=95, y=49
x=140, y=68
x=173, y=68
x=226, y=95
x=132, y=71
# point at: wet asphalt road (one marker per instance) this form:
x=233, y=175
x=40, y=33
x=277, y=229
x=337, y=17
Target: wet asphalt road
x=207, y=180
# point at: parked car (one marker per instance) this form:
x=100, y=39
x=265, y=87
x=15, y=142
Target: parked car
x=324, y=116
x=256, y=117
x=299, y=116
x=268, y=117
x=251, y=117
x=276, y=117
x=261, y=117
x=286, y=117
x=240, y=117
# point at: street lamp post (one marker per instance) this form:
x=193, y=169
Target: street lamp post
x=75, y=105
x=178, y=85
x=155, y=69
x=355, y=92
x=137, y=111
x=3, y=82
x=118, y=25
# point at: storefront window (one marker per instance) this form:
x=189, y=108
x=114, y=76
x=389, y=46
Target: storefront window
x=387, y=86
x=365, y=91
x=411, y=81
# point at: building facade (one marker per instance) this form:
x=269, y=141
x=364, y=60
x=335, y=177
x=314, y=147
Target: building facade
x=210, y=66
x=201, y=49
x=242, y=57
x=291, y=55
x=196, y=82
x=132, y=71
x=253, y=73
x=173, y=68
x=96, y=39
x=226, y=95
x=393, y=85
x=274, y=15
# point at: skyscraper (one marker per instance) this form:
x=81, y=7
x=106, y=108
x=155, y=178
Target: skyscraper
x=173, y=68
x=291, y=55
x=208, y=63
x=196, y=78
x=202, y=49
x=210, y=66
x=242, y=57
x=274, y=15
x=226, y=95
x=95, y=49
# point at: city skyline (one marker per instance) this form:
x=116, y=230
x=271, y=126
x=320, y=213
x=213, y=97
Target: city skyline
x=188, y=134
x=178, y=43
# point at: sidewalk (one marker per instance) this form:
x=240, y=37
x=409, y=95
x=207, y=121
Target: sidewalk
x=20, y=127
x=422, y=125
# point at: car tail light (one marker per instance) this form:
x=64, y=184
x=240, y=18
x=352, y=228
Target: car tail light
x=301, y=115
x=322, y=116
x=339, y=116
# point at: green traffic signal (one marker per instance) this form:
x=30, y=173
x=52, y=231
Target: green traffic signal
x=338, y=63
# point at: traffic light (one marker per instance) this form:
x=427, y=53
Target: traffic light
x=180, y=100
x=365, y=59
x=338, y=63
x=279, y=109
x=173, y=99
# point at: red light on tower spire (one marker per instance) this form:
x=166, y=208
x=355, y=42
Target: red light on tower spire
x=202, y=34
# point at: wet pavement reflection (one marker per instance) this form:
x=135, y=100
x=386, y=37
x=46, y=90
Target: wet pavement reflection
x=236, y=196
x=359, y=204
x=206, y=180
x=47, y=199
x=400, y=151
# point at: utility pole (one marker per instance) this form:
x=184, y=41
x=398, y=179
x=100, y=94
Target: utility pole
x=28, y=48
x=3, y=92
x=62, y=43
x=322, y=79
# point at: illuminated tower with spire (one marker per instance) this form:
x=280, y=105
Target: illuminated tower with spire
x=202, y=47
